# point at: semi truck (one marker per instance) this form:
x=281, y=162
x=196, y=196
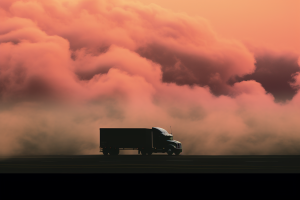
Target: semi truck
x=145, y=140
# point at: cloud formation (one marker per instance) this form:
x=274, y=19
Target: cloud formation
x=68, y=68
x=276, y=73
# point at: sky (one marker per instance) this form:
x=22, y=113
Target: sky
x=272, y=24
x=223, y=74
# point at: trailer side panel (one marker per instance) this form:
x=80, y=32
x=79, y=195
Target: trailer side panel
x=125, y=138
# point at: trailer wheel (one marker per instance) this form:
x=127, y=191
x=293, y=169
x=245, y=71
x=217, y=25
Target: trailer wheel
x=112, y=152
x=170, y=151
x=105, y=153
x=143, y=152
x=149, y=153
x=177, y=153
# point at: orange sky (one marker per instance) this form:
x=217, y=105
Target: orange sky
x=273, y=24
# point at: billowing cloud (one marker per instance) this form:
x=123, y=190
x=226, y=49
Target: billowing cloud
x=68, y=68
x=276, y=73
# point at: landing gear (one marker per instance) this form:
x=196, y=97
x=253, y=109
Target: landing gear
x=114, y=152
x=146, y=152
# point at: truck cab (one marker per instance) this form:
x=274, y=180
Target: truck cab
x=163, y=142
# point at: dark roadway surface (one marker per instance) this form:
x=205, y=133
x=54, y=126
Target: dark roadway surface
x=150, y=164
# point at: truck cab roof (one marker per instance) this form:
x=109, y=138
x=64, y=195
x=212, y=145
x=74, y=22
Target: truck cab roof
x=163, y=131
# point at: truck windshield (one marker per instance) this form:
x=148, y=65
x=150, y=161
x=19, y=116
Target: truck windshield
x=169, y=137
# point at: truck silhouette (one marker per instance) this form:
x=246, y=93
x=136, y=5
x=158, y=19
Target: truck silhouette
x=146, y=141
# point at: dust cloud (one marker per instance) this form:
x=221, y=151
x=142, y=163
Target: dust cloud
x=68, y=68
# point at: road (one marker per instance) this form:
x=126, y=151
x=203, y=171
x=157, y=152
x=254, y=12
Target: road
x=150, y=164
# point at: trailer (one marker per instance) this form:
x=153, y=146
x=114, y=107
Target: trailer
x=144, y=140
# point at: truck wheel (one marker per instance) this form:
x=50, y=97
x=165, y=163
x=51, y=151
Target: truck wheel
x=170, y=151
x=105, y=153
x=177, y=153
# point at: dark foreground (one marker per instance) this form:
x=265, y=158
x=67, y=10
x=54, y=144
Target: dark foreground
x=150, y=164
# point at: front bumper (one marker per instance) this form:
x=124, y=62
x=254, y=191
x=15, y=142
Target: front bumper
x=177, y=150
